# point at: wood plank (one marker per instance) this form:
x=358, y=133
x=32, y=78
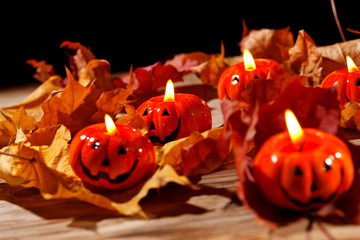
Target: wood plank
x=175, y=212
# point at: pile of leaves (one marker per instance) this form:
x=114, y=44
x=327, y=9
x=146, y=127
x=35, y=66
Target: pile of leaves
x=35, y=134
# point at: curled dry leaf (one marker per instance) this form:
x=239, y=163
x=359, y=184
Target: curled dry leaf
x=43, y=71
x=211, y=70
x=267, y=43
x=334, y=56
x=348, y=119
x=200, y=153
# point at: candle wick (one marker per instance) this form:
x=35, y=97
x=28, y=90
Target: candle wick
x=301, y=146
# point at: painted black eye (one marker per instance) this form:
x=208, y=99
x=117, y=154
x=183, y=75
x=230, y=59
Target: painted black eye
x=96, y=145
x=235, y=79
x=327, y=166
x=121, y=150
x=298, y=172
x=165, y=113
x=145, y=112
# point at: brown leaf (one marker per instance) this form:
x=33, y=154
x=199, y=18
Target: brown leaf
x=211, y=70
x=334, y=56
x=23, y=121
x=347, y=117
x=196, y=154
x=133, y=119
x=267, y=43
x=305, y=59
x=43, y=71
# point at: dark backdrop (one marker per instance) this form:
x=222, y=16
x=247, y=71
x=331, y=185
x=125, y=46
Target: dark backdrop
x=141, y=33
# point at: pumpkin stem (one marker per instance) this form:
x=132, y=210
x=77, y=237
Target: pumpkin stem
x=333, y=7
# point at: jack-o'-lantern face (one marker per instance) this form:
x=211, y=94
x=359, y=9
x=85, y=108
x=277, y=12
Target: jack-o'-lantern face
x=174, y=116
x=233, y=80
x=112, y=161
x=307, y=179
x=163, y=120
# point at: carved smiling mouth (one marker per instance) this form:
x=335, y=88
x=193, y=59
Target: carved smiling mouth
x=317, y=200
x=103, y=175
x=169, y=138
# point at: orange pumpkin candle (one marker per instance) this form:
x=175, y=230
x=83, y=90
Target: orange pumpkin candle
x=303, y=169
x=233, y=80
x=112, y=156
x=347, y=81
x=174, y=116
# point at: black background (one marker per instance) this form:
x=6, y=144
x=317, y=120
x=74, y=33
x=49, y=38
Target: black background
x=141, y=33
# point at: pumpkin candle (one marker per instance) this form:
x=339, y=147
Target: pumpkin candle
x=303, y=169
x=233, y=80
x=112, y=156
x=347, y=81
x=174, y=116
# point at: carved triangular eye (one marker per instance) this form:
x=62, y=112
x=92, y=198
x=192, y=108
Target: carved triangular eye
x=165, y=113
x=121, y=150
x=298, y=171
x=145, y=112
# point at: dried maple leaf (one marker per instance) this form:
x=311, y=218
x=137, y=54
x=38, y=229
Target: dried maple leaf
x=133, y=119
x=7, y=130
x=73, y=108
x=348, y=114
x=334, y=56
x=267, y=43
x=313, y=107
x=185, y=62
x=43, y=71
x=200, y=153
x=23, y=121
x=305, y=59
x=149, y=78
x=211, y=70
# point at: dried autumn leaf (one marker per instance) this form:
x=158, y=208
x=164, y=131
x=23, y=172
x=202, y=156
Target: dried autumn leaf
x=347, y=117
x=7, y=130
x=334, y=56
x=149, y=78
x=133, y=119
x=200, y=153
x=43, y=71
x=267, y=43
x=185, y=62
x=211, y=70
x=23, y=121
x=73, y=108
x=305, y=59
x=313, y=107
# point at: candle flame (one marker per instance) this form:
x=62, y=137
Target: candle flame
x=295, y=131
x=351, y=65
x=169, y=92
x=110, y=125
x=249, y=61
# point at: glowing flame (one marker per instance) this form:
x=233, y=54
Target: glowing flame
x=169, y=92
x=249, y=61
x=295, y=131
x=351, y=65
x=110, y=125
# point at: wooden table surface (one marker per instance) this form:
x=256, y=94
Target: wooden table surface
x=175, y=212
